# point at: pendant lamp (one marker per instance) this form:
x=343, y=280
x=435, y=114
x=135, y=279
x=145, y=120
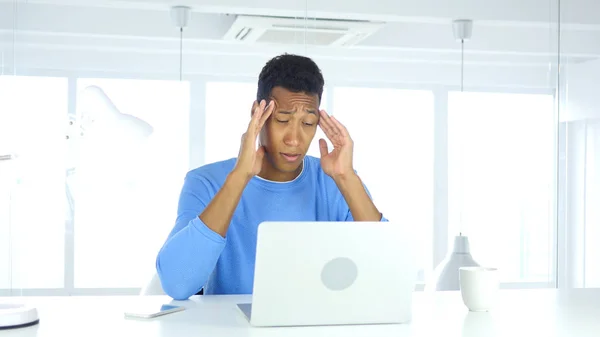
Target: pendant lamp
x=445, y=276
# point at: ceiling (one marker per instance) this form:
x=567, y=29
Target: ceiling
x=509, y=33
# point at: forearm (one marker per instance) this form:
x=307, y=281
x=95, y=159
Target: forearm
x=360, y=204
x=218, y=213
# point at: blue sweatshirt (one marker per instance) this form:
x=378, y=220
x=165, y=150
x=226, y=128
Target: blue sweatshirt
x=195, y=257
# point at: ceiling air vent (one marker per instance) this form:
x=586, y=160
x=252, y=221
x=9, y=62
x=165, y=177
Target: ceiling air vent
x=324, y=32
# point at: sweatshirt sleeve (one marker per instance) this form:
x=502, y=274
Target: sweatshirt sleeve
x=191, y=250
x=344, y=210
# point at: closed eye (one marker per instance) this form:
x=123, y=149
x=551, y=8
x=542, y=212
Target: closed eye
x=282, y=121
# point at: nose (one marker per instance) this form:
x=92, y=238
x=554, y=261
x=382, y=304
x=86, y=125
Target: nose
x=292, y=136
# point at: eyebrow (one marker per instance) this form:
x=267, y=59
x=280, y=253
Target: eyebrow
x=311, y=111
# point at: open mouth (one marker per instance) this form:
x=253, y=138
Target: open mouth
x=290, y=157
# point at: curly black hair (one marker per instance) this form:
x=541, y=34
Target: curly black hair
x=292, y=72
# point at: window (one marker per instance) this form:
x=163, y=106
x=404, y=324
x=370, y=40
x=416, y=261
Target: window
x=592, y=200
x=122, y=182
x=500, y=153
x=580, y=191
x=393, y=153
x=33, y=116
x=228, y=111
x=126, y=181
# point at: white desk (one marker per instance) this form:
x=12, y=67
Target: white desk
x=535, y=313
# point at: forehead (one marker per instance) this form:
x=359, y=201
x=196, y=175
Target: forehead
x=286, y=98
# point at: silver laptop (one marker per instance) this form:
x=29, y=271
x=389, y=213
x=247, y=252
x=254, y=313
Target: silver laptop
x=332, y=273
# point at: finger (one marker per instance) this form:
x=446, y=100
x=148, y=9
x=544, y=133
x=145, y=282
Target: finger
x=266, y=114
x=326, y=125
x=256, y=115
x=260, y=109
x=323, y=147
x=254, y=112
x=323, y=114
x=242, y=141
x=340, y=127
x=263, y=105
x=327, y=121
x=324, y=121
x=327, y=130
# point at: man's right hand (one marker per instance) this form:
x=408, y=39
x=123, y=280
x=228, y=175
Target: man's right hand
x=219, y=211
x=250, y=159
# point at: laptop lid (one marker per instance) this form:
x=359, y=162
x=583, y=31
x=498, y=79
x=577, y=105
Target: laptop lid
x=327, y=273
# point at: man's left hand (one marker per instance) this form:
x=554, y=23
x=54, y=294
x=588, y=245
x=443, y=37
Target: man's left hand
x=337, y=163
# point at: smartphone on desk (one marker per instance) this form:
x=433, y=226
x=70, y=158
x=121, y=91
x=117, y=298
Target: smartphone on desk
x=151, y=311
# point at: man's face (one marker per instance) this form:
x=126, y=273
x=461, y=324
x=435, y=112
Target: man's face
x=287, y=134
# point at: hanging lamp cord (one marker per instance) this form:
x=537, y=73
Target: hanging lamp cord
x=462, y=63
x=180, y=54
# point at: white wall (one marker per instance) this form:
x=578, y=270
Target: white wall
x=582, y=91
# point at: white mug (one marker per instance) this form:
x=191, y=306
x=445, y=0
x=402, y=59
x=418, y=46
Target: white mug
x=479, y=287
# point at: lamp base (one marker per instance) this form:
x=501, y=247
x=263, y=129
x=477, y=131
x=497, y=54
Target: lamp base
x=14, y=316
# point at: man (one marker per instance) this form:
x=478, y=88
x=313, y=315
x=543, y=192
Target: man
x=213, y=243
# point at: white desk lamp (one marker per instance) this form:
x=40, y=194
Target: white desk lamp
x=98, y=112
x=102, y=118
x=15, y=315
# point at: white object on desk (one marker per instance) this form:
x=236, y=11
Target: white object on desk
x=152, y=311
x=327, y=273
x=17, y=316
x=479, y=287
